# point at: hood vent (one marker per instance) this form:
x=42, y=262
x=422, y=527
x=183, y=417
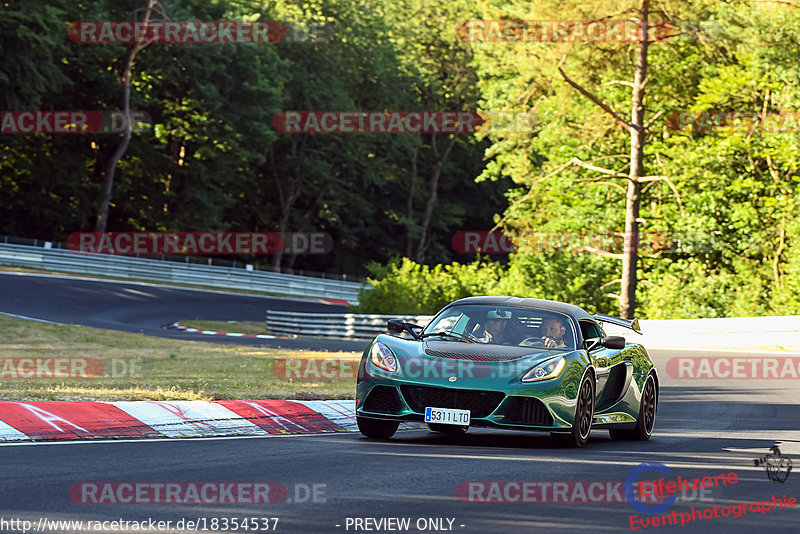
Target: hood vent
x=474, y=357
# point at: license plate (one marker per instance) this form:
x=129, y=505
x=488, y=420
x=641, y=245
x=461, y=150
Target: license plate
x=447, y=416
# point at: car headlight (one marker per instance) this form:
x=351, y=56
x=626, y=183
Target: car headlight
x=547, y=369
x=381, y=356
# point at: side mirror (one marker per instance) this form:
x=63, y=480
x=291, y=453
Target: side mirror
x=396, y=326
x=613, y=342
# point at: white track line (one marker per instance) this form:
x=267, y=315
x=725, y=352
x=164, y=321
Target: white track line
x=28, y=318
x=146, y=284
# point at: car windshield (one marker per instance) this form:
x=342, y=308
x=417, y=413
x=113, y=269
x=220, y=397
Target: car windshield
x=504, y=325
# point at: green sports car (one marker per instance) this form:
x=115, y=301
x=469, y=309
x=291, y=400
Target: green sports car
x=510, y=363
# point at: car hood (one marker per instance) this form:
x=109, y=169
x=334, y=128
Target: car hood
x=437, y=362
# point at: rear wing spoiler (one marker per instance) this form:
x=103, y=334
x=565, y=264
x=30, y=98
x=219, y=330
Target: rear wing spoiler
x=633, y=324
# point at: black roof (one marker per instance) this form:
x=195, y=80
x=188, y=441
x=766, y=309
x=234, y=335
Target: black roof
x=539, y=304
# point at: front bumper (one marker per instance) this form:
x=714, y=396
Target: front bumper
x=521, y=406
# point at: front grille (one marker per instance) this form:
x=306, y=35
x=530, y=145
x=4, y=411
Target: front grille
x=528, y=411
x=473, y=357
x=479, y=403
x=383, y=399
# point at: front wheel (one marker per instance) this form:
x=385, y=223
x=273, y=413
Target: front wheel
x=376, y=428
x=584, y=413
x=647, y=416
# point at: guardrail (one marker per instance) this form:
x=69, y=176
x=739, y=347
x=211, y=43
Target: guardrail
x=338, y=325
x=67, y=261
x=773, y=333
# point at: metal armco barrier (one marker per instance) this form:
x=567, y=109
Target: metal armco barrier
x=67, y=261
x=777, y=332
x=339, y=325
x=771, y=333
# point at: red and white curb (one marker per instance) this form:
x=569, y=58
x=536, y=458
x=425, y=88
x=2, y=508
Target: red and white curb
x=338, y=302
x=54, y=420
x=176, y=326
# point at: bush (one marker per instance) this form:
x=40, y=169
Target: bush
x=405, y=287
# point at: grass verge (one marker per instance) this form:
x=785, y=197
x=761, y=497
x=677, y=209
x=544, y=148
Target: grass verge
x=151, y=368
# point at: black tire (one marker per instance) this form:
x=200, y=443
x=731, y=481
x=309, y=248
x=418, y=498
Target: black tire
x=448, y=429
x=647, y=416
x=377, y=428
x=584, y=413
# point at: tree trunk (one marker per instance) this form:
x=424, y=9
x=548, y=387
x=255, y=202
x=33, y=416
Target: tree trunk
x=436, y=172
x=101, y=221
x=286, y=198
x=410, y=203
x=636, y=130
x=631, y=252
x=276, y=259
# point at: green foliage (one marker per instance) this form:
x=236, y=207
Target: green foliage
x=214, y=162
x=405, y=287
x=730, y=195
x=731, y=204
x=786, y=296
x=688, y=290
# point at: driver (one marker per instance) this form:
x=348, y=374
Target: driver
x=554, y=330
x=495, y=329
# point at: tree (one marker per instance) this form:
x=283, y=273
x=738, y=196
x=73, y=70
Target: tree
x=569, y=145
x=438, y=68
x=111, y=165
x=636, y=129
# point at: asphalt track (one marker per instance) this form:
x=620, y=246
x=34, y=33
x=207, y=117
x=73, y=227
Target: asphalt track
x=703, y=428
x=145, y=308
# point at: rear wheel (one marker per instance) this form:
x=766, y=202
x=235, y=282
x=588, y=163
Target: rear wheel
x=377, y=428
x=448, y=429
x=647, y=416
x=584, y=413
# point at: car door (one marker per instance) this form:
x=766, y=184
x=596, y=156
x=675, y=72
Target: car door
x=613, y=371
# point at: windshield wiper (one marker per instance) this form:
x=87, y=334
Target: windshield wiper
x=448, y=333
